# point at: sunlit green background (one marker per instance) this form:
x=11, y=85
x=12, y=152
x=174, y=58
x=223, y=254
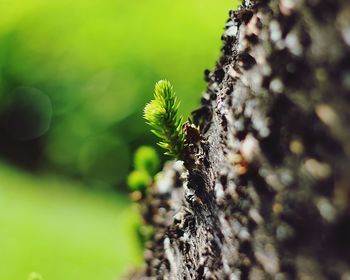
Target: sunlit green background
x=74, y=77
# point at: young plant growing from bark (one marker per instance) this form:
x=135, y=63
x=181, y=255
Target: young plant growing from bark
x=146, y=164
x=162, y=115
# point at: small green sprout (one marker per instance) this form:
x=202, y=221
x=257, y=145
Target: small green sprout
x=138, y=180
x=161, y=115
x=146, y=158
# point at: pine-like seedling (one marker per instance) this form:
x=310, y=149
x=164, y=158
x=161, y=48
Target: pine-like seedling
x=162, y=115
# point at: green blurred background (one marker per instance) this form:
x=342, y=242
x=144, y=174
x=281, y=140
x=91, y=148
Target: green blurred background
x=74, y=77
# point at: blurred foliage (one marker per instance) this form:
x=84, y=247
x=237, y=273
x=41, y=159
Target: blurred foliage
x=75, y=75
x=146, y=158
x=145, y=234
x=57, y=228
x=138, y=180
x=35, y=276
x=146, y=164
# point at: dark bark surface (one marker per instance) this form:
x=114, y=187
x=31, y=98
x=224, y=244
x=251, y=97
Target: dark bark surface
x=265, y=193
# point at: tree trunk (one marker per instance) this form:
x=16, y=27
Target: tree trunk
x=265, y=193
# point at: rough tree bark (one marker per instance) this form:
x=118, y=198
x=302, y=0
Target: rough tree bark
x=265, y=192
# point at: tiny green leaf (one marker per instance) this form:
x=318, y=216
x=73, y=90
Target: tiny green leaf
x=161, y=114
x=146, y=158
x=138, y=180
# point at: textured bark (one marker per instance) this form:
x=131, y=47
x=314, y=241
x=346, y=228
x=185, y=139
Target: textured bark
x=265, y=193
